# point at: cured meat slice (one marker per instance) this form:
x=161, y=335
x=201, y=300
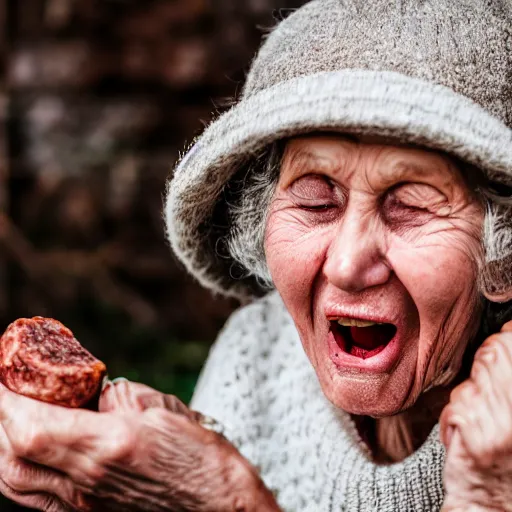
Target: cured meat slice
x=40, y=358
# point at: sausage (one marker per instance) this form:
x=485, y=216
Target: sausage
x=41, y=359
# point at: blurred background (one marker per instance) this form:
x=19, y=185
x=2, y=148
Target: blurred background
x=97, y=99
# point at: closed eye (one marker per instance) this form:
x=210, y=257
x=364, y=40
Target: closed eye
x=313, y=192
x=318, y=207
x=414, y=204
x=317, y=196
x=420, y=197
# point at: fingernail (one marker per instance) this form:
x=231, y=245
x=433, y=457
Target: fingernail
x=119, y=379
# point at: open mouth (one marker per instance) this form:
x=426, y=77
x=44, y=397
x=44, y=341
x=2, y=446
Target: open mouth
x=361, y=338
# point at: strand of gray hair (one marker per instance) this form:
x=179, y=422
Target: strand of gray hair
x=497, y=232
x=248, y=215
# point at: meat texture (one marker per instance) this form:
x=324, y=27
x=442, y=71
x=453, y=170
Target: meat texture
x=40, y=358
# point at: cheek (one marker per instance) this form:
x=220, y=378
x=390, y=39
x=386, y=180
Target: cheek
x=441, y=279
x=434, y=276
x=294, y=254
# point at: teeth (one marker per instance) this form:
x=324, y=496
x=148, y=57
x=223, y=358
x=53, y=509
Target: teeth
x=353, y=322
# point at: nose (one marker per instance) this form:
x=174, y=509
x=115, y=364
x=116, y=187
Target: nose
x=355, y=259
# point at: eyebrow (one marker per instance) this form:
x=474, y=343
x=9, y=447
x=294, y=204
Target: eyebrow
x=405, y=171
x=303, y=161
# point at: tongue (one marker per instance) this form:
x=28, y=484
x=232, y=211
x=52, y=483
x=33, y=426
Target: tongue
x=371, y=337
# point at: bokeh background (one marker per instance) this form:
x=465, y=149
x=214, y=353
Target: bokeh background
x=97, y=99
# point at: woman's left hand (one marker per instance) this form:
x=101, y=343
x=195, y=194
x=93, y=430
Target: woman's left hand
x=476, y=428
x=144, y=451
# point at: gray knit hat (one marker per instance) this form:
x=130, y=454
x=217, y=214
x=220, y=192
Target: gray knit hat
x=432, y=72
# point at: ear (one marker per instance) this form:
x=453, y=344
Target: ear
x=496, y=280
x=498, y=297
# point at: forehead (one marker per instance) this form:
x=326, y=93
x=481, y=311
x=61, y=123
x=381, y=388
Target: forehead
x=376, y=158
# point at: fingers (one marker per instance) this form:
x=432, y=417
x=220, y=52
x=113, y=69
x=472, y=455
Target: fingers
x=43, y=502
x=481, y=408
x=27, y=484
x=467, y=414
x=121, y=395
x=108, y=455
x=492, y=370
x=35, y=486
x=124, y=395
x=76, y=442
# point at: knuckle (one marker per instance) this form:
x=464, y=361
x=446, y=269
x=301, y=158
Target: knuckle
x=490, y=341
x=498, y=339
x=463, y=392
x=15, y=481
x=156, y=416
x=493, y=348
x=30, y=444
x=484, y=454
x=122, y=442
x=148, y=399
x=94, y=475
x=487, y=353
x=88, y=477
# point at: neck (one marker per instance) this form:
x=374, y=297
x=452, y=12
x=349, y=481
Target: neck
x=393, y=438
x=400, y=435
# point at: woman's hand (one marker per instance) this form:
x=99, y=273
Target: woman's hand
x=144, y=451
x=476, y=428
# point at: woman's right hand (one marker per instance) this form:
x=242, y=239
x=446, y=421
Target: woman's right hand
x=144, y=451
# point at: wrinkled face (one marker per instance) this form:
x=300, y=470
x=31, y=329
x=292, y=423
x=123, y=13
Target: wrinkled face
x=374, y=249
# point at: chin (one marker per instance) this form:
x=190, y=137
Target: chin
x=363, y=396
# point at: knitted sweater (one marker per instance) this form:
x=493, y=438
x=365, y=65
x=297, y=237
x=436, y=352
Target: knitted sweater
x=260, y=385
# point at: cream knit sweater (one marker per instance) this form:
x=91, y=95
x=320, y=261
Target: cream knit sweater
x=260, y=385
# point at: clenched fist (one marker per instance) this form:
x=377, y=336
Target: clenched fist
x=476, y=428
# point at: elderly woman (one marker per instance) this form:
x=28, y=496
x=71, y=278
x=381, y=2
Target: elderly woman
x=361, y=190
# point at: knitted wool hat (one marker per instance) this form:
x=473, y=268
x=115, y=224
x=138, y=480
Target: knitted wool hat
x=432, y=72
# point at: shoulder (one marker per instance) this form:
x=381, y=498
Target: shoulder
x=250, y=334
x=263, y=321
x=243, y=363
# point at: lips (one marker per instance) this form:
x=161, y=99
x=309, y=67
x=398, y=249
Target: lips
x=362, y=339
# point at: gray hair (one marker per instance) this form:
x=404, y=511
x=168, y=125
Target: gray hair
x=248, y=212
